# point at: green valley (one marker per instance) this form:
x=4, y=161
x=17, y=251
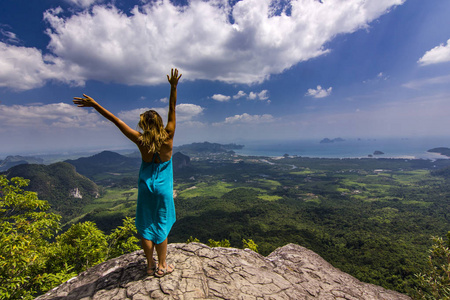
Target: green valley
x=372, y=218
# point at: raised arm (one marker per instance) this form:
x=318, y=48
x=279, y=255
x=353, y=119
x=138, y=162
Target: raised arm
x=171, y=120
x=87, y=101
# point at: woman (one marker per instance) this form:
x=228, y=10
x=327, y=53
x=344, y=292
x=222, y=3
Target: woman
x=155, y=212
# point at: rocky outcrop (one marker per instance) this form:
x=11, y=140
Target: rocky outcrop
x=290, y=272
x=180, y=160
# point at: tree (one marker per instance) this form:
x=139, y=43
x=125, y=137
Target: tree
x=30, y=262
x=435, y=282
x=25, y=228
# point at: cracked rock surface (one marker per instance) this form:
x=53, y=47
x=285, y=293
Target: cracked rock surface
x=290, y=272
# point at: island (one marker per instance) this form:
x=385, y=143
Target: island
x=328, y=141
x=441, y=150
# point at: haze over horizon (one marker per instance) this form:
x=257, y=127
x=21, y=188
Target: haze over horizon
x=252, y=69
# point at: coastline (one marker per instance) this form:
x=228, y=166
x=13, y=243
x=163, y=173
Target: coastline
x=348, y=149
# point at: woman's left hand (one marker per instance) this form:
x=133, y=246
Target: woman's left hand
x=173, y=79
x=84, y=102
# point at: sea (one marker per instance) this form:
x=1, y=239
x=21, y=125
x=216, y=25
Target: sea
x=407, y=148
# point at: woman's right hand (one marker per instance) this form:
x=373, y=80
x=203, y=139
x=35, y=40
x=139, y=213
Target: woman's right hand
x=84, y=102
x=173, y=79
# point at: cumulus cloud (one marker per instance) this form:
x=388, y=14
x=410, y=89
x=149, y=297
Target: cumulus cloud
x=319, y=92
x=263, y=95
x=55, y=115
x=83, y=3
x=438, y=54
x=221, y=98
x=245, y=118
x=23, y=68
x=185, y=113
x=239, y=95
x=139, y=47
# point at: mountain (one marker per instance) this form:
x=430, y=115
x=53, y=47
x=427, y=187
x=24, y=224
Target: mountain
x=59, y=184
x=179, y=160
x=11, y=161
x=201, y=272
x=207, y=148
x=106, y=162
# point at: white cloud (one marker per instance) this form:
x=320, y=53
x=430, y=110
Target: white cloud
x=83, y=3
x=139, y=47
x=252, y=96
x=164, y=100
x=417, y=84
x=23, y=68
x=185, y=113
x=239, y=95
x=56, y=115
x=9, y=37
x=188, y=112
x=438, y=54
x=380, y=77
x=221, y=98
x=249, y=119
x=319, y=92
x=263, y=95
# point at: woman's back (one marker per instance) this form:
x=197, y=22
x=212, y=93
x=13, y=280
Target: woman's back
x=165, y=152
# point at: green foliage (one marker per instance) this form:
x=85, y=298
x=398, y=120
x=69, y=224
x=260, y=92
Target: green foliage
x=358, y=214
x=30, y=262
x=25, y=227
x=358, y=219
x=250, y=244
x=223, y=243
x=82, y=246
x=435, y=282
x=122, y=240
x=192, y=240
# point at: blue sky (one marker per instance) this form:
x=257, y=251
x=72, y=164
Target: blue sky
x=252, y=69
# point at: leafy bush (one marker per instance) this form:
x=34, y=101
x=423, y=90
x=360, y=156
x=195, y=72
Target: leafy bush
x=122, y=239
x=435, y=282
x=30, y=262
x=250, y=244
x=25, y=228
x=223, y=243
x=192, y=240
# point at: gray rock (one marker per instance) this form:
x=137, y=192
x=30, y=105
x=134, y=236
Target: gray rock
x=290, y=272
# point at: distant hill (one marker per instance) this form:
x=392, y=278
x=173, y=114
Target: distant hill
x=328, y=141
x=441, y=150
x=179, y=160
x=106, y=162
x=207, y=148
x=11, y=161
x=59, y=184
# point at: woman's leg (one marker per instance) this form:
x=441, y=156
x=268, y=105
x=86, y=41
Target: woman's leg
x=148, y=247
x=161, y=250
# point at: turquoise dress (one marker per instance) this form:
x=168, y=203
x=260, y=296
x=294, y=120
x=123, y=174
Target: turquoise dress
x=155, y=211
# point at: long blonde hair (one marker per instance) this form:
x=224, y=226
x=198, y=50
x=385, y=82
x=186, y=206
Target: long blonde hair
x=154, y=134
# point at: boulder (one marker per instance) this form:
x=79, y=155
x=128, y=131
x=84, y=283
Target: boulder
x=201, y=272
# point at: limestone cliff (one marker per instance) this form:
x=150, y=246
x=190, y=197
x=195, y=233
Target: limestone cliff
x=290, y=272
